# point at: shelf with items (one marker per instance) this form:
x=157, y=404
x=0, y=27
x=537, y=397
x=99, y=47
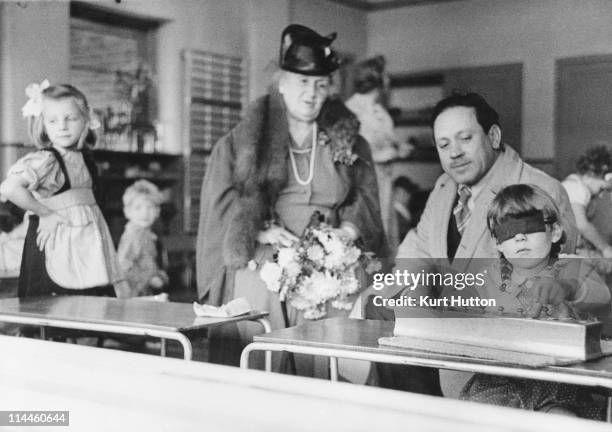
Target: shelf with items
x=411, y=99
x=412, y=95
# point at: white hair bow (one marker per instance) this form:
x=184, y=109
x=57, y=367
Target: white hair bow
x=33, y=107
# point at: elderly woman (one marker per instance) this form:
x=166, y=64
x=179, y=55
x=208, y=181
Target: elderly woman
x=272, y=171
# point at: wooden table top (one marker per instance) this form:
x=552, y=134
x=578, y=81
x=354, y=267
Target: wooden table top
x=165, y=316
x=362, y=336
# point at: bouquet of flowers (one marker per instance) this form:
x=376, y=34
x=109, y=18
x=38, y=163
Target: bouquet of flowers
x=318, y=270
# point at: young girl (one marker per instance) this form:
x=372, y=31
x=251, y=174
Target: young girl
x=68, y=248
x=532, y=280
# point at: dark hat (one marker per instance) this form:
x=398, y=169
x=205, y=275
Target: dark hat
x=306, y=52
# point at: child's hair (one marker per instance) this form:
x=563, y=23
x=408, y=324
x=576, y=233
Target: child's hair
x=596, y=161
x=36, y=126
x=369, y=74
x=521, y=200
x=144, y=189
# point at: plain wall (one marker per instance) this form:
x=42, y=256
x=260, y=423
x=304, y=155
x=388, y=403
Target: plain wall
x=487, y=32
x=326, y=17
x=265, y=23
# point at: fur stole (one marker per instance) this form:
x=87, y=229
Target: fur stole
x=261, y=166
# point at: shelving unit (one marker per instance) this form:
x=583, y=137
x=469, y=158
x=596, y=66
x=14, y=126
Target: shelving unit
x=215, y=92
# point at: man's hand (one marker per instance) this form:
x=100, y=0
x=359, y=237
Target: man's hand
x=47, y=229
x=276, y=235
x=550, y=291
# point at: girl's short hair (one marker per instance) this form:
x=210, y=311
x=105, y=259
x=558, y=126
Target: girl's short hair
x=144, y=189
x=524, y=200
x=369, y=74
x=36, y=127
x=596, y=161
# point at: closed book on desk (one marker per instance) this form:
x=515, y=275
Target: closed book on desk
x=499, y=338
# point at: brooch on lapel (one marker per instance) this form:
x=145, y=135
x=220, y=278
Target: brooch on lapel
x=339, y=128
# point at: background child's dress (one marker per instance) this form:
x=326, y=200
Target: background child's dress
x=140, y=257
x=82, y=255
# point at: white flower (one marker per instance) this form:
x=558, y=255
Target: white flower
x=271, y=274
x=286, y=255
x=322, y=236
x=33, y=107
x=319, y=287
x=351, y=255
x=316, y=254
x=349, y=284
x=252, y=265
x=334, y=261
x=293, y=269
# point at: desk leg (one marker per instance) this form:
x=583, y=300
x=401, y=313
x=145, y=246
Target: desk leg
x=187, y=348
x=246, y=354
x=268, y=355
x=43, y=333
x=609, y=409
x=333, y=368
x=162, y=348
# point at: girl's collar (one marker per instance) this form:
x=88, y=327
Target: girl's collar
x=61, y=150
x=552, y=269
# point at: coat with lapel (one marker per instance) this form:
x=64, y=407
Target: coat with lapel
x=248, y=169
x=425, y=246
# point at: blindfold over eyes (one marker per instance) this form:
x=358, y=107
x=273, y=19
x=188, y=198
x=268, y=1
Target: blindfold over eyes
x=519, y=225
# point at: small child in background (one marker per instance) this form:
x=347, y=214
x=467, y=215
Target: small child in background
x=408, y=202
x=68, y=248
x=533, y=281
x=140, y=254
x=581, y=187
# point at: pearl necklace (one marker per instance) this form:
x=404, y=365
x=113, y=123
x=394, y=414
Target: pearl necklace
x=313, y=152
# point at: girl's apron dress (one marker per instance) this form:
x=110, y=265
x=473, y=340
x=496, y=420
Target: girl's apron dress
x=82, y=259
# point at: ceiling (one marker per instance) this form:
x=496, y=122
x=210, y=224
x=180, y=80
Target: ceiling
x=373, y=5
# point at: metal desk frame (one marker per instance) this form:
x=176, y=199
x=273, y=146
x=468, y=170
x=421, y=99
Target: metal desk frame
x=128, y=328
x=551, y=373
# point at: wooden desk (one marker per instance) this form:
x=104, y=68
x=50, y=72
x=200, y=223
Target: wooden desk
x=107, y=390
x=358, y=340
x=164, y=320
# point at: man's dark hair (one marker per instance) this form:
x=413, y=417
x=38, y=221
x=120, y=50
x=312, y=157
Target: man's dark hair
x=596, y=161
x=485, y=114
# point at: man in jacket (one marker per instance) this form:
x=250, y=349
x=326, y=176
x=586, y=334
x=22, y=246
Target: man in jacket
x=453, y=227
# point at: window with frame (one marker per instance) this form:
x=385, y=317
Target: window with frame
x=112, y=60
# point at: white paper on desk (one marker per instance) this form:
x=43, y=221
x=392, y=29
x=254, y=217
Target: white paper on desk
x=236, y=307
